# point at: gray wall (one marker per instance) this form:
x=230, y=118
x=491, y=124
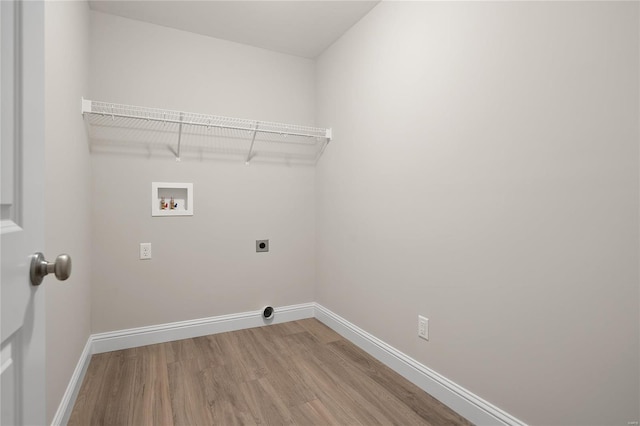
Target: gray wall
x=68, y=196
x=203, y=265
x=484, y=173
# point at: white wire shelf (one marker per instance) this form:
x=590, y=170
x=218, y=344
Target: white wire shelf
x=116, y=126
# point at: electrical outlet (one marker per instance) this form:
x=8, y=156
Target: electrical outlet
x=262, y=246
x=423, y=327
x=145, y=251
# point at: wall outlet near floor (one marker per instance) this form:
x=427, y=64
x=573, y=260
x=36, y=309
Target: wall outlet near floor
x=423, y=327
x=145, y=251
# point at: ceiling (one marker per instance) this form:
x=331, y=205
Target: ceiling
x=302, y=28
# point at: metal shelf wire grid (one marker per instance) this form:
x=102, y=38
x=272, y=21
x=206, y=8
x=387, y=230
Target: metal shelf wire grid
x=128, y=125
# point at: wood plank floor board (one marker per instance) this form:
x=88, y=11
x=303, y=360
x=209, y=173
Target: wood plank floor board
x=188, y=400
x=330, y=398
x=359, y=390
x=121, y=372
x=300, y=373
x=151, y=398
x=285, y=328
x=328, y=381
x=313, y=413
x=407, y=392
x=282, y=367
x=181, y=350
x=225, y=400
x=89, y=407
x=209, y=348
x=286, y=379
x=265, y=409
x=240, y=354
x=320, y=331
x=374, y=398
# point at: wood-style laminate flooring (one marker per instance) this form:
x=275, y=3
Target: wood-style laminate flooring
x=299, y=372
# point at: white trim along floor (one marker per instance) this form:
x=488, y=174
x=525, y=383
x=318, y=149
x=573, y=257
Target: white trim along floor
x=471, y=406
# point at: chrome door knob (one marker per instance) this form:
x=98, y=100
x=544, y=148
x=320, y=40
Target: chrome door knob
x=41, y=268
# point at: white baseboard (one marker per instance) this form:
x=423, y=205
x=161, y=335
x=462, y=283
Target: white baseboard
x=142, y=336
x=460, y=400
x=71, y=393
x=454, y=396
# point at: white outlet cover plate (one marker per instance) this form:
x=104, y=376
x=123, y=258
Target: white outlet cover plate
x=145, y=251
x=423, y=327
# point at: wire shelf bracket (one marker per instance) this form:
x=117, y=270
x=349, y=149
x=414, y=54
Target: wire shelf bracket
x=196, y=132
x=253, y=141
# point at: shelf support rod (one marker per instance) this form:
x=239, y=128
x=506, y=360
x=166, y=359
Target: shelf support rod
x=253, y=139
x=329, y=135
x=179, y=136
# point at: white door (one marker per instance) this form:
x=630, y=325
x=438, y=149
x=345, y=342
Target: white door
x=22, y=394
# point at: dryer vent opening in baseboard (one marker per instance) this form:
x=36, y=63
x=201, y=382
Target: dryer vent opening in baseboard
x=267, y=313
